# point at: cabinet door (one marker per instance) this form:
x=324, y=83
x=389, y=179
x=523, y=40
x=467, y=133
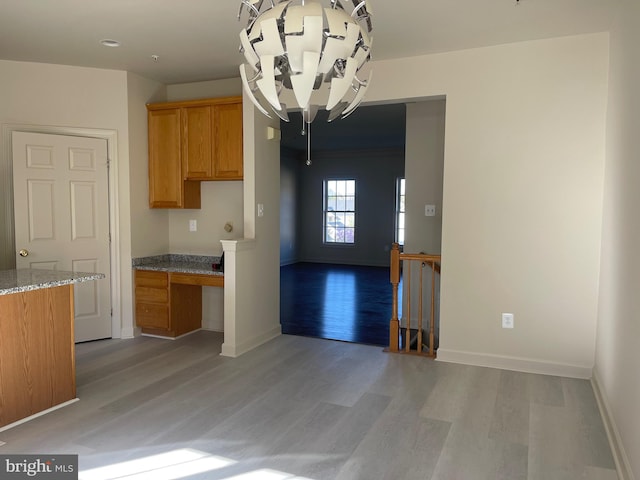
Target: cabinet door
x=196, y=148
x=165, y=171
x=227, y=142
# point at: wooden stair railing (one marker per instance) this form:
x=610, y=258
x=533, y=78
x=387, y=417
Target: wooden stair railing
x=399, y=259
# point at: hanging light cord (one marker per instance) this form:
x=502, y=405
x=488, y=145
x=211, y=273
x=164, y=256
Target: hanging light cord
x=308, y=144
x=306, y=130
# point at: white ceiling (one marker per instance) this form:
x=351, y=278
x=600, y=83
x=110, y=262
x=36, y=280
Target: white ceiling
x=198, y=39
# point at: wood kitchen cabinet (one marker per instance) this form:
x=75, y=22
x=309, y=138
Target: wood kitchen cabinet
x=167, y=187
x=227, y=141
x=190, y=142
x=152, y=300
x=197, y=146
x=37, y=363
x=170, y=304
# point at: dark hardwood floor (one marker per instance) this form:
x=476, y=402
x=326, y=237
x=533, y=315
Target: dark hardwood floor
x=337, y=302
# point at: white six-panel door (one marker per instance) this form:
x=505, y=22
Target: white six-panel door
x=61, y=205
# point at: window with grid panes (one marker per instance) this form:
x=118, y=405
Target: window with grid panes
x=339, y=211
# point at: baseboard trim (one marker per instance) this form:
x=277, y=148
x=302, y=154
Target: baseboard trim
x=129, y=332
x=615, y=441
x=39, y=414
x=216, y=330
x=170, y=338
x=241, y=348
x=514, y=363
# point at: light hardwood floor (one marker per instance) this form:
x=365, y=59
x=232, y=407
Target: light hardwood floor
x=316, y=409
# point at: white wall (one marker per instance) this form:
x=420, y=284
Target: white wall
x=617, y=352
x=221, y=203
x=262, y=174
x=252, y=280
x=289, y=199
x=230, y=87
x=63, y=96
x=424, y=163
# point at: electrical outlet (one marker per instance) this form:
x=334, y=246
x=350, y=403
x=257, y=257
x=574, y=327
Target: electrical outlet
x=429, y=210
x=507, y=320
x=193, y=225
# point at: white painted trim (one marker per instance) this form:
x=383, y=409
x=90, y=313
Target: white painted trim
x=239, y=245
x=39, y=414
x=228, y=350
x=623, y=466
x=170, y=338
x=111, y=137
x=212, y=330
x=244, y=347
x=514, y=363
x=129, y=332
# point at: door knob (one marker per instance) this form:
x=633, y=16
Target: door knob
x=24, y=252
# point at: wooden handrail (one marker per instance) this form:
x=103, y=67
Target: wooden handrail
x=422, y=257
x=394, y=325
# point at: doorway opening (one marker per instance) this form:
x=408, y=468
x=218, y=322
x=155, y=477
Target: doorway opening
x=342, y=289
x=338, y=221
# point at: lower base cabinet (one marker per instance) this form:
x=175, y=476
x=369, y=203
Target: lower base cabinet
x=170, y=304
x=37, y=359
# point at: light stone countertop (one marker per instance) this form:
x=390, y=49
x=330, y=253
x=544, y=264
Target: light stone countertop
x=26, y=279
x=177, y=263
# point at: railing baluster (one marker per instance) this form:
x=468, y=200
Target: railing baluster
x=407, y=333
x=419, y=346
x=432, y=321
x=394, y=324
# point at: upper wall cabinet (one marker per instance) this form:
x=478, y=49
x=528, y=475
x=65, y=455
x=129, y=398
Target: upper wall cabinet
x=227, y=141
x=190, y=142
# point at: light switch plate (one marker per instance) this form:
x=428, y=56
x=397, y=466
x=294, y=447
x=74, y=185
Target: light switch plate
x=261, y=209
x=193, y=225
x=507, y=320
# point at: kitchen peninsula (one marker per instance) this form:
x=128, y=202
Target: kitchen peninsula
x=37, y=353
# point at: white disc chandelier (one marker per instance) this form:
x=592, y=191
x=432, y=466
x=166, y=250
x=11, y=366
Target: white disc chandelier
x=303, y=55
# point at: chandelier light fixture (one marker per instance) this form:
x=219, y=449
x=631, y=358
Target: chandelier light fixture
x=303, y=55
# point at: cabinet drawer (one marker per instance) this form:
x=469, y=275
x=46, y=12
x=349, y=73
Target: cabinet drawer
x=197, y=279
x=152, y=315
x=153, y=295
x=145, y=278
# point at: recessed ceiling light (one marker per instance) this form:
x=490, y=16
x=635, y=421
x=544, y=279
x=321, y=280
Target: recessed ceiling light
x=110, y=43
